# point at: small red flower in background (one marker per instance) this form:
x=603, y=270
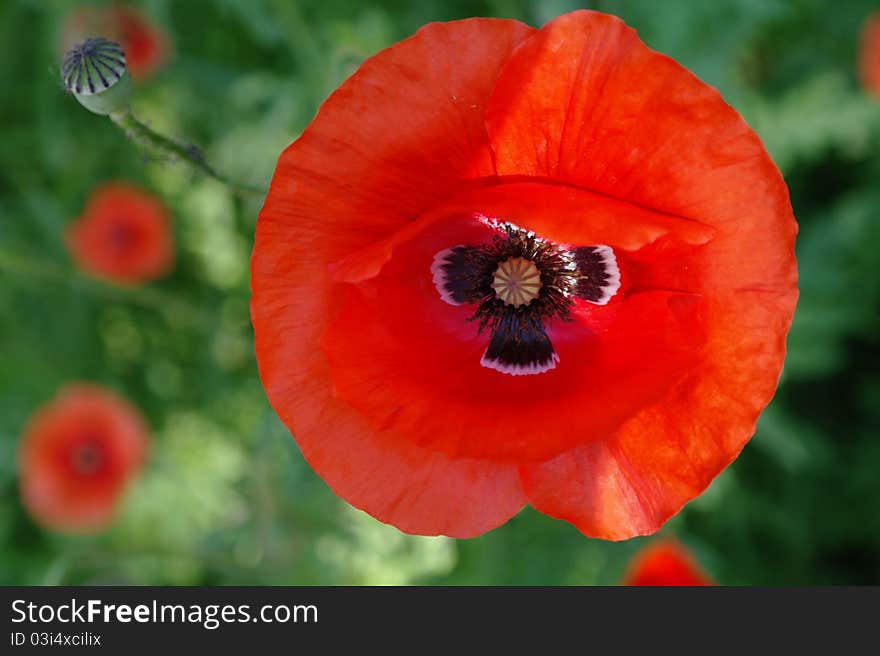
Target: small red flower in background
x=145, y=44
x=869, y=54
x=124, y=234
x=665, y=562
x=507, y=266
x=77, y=455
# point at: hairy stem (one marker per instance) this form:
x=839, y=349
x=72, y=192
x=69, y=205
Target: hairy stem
x=161, y=144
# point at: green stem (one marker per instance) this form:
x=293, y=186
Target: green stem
x=156, y=142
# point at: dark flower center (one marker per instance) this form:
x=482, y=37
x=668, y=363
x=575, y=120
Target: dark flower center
x=121, y=236
x=518, y=282
x=87, y=458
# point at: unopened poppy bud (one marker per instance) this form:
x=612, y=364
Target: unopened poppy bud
x=95, y=73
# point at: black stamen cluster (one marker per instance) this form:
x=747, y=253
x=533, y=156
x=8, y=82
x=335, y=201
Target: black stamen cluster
x=559, y=276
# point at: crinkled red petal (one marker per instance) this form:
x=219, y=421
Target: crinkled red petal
x=586, y=102
x=347, y=183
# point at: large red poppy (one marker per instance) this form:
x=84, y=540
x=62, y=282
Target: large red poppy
x=665, y=562
x=124, y=234
x=77, y=455
x=146, y=45
x=869, y=54
x=507, y=266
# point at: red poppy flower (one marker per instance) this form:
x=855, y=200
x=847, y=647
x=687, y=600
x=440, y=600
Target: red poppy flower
x=145, y=45
x=507, y=266
x=77, y=455
x=869, y=54
x=665, y=562
x=124, y=234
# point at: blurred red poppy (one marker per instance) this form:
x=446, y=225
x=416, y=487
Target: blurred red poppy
x=869, y=54
x=145, y=45
x=124, y=234
x=665, y=562
x=507, y=265
x=77, y=455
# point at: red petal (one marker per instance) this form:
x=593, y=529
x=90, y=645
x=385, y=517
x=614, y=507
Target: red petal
x=401, y=134
x=669, y=453
x=394, y=480
x=586, y=102
x=562, y=214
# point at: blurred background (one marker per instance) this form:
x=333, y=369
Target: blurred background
x=225, y=497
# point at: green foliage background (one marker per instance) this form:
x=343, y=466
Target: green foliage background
x=226, y=497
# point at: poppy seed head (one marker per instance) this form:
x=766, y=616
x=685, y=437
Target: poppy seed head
x=517, y=281
x=95, y=72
